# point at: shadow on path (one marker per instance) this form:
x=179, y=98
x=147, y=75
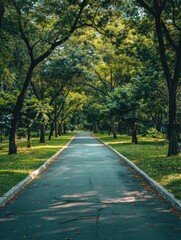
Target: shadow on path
x=88, y=194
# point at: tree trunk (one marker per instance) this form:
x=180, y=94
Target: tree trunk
x=42, y=133
x=51, y=130
x=17, y=111
x=1, y=135
x=172, y=82
x=56, y=129
x=64, y=128
x=12, y=136
x=114, y=135
x=34, y=63
x=159, y=121
x=113, y=129
x=172, y=128
x=109, y=131
x=28, y=138
x=134, y=134
x=60, y=129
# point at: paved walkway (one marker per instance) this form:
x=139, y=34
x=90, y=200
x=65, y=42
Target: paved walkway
x=88, y=194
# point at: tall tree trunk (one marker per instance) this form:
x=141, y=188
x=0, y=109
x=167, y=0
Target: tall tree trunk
x=17, y=111
x=159, y=121
x=64, y=128
x=134, y=134
x=12, y=136
x=1, y=135
x=172, y=128
x=51, y=130
x=34, y=62
x=60, y=129
x=172, y=82
x=42, y=133
x=28, y=138
x=113, y=126
x=56, y=129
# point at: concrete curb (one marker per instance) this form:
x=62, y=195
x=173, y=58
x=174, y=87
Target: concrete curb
x=169, y=198
x=16, y=189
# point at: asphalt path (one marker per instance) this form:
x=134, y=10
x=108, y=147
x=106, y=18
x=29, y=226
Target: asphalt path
x=88, y=194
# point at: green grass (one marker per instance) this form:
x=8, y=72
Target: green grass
x=150, y=155
x=14, y=168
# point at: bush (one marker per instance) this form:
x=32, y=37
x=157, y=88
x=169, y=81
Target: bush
x=152, y=132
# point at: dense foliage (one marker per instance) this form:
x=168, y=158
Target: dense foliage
x=103, y=65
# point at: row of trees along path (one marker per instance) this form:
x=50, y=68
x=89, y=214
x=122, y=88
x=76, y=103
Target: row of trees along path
x=42, y=27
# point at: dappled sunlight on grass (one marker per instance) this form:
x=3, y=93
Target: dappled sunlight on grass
x=47, y=146
x=3, y=149
x=14, y=168
x=120, y=142
x=151, y=156
x=15, y=171
x=173, y=183
x=171, y=177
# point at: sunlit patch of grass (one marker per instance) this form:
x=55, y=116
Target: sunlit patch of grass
x=151, y=156
x=46, y=146
x=120, y=142
x=14, y=168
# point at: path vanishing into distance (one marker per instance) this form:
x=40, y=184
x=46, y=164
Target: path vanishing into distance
x=88, y=194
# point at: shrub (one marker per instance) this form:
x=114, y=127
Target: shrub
x=152, y=132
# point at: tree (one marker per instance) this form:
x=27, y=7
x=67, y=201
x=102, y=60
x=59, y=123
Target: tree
x=24, y=20
x=121, y=104
x=43, y=26
x=167, y=24
x=111, y=64
x=54, y=81
x=31, y=111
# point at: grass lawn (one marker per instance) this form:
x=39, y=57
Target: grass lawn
x=14, y=168
x=150, y=155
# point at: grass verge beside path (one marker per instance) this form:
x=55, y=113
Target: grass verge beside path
x=150, y=155
x=14, y=168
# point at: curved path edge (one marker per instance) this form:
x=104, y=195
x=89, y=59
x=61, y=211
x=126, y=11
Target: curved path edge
x=169, y=198
x=17, y=188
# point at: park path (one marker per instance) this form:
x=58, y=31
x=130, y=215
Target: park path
x=88, y=194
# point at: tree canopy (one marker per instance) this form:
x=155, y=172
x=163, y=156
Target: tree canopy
x=106, y=65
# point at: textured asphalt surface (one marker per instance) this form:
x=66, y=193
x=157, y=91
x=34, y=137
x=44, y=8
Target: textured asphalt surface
x=88, y=194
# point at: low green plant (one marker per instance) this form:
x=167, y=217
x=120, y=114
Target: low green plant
x=152, y=132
